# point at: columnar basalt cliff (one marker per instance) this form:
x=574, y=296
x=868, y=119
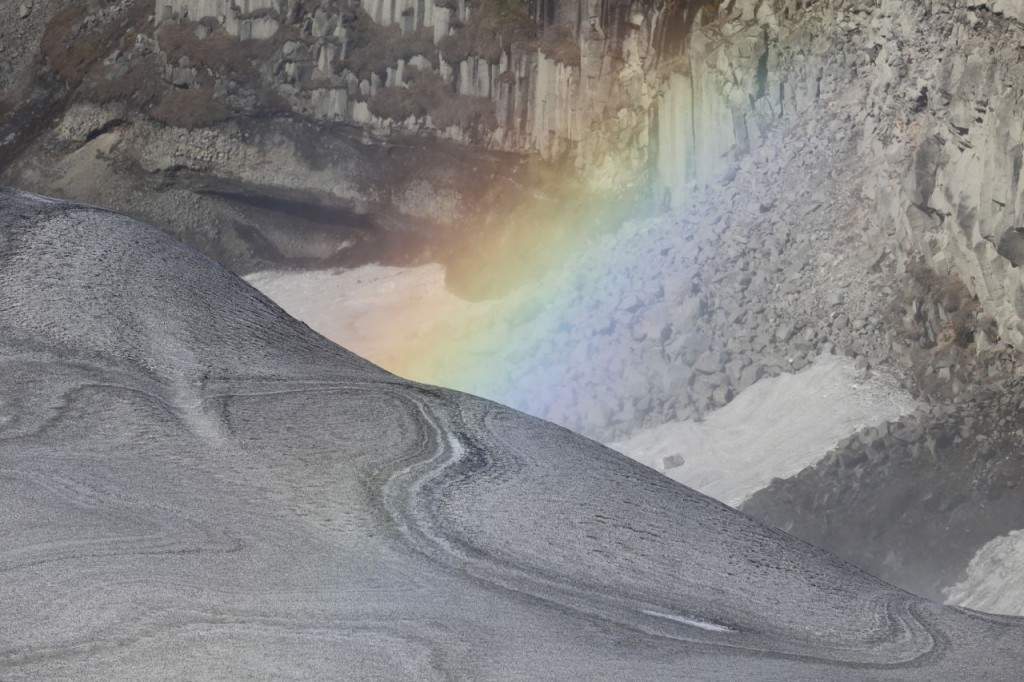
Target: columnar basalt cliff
x=554, y=79
x=621, y=88
x=206, y=97
x=196, y=108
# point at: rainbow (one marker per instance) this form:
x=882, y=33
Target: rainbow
x=553, y=344
x=529, y=349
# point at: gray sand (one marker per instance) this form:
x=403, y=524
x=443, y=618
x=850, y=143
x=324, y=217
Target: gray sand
x=195, y=486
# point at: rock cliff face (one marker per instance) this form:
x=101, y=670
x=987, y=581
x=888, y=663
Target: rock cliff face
x=649, y=98
x=569, y=79
x=641, y=99
x=634, y=93
x=644, y=99
x=937, y=120
x=953, y=183
x=938, y=127
x=407, y=119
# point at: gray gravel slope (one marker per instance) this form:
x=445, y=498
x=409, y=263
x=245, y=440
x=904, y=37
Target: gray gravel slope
x=193, y=485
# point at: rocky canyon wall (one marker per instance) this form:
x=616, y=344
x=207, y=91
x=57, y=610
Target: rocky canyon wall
x=653, y=96
x=959, y=201
x=934, y=90
x=648, y=98
x=575, y=79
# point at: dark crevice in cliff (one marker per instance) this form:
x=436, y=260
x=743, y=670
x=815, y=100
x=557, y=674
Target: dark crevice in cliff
x=29, y=113
x=316, y=213
x=335, y=235
x=762, y=70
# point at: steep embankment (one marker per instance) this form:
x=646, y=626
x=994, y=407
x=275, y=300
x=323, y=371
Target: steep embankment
x=195, y=485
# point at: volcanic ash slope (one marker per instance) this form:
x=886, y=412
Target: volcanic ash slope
x=195, y=486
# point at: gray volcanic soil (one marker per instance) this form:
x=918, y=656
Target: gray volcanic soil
x=192, y=484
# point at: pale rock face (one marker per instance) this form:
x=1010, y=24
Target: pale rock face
x=947, y=176
x=361, y=113
x=1011, y=8
x=961, y=194
x=256, y=29
x=330, y=103
x=938, y=121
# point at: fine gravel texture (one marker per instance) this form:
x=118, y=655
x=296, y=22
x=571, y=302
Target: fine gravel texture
x=195, y=486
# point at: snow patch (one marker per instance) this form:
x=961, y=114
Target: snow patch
x=775, y=428
x=703, y=625
x=380, y=313
x=993, y=583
